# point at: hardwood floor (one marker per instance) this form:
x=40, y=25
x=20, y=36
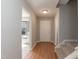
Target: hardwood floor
x=43, y=50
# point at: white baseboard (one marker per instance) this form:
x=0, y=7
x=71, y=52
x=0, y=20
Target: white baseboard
x=38, y=41
x=70, y=40
x=34, y=46
x=58, y=46
x=45, y=41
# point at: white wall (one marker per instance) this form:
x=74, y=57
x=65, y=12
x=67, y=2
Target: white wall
x=34, y=29
x=10, y=34
x=52, y=28
x=69, y=21
x=57, y=28
x=33, y=21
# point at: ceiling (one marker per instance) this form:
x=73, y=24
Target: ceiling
x=38, y=5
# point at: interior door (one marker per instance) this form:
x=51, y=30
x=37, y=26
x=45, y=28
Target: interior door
x=45, y=30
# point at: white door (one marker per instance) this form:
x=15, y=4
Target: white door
x=45, y=30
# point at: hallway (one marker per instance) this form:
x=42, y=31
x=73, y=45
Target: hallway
x=39, y=29
x=43, y=50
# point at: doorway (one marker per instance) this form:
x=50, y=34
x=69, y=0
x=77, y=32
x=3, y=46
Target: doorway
x=45, y=30
x=25, y=33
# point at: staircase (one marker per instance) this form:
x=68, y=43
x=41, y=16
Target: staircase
x=65, y=49
x=73, y=55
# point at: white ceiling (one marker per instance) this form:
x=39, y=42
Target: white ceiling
x=38, y=5
x=25, y=13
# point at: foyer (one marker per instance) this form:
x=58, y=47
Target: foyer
x=39, y=29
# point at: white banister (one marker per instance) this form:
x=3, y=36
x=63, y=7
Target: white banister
x=73, y=55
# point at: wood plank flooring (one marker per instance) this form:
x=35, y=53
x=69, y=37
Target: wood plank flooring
x=43, y=50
